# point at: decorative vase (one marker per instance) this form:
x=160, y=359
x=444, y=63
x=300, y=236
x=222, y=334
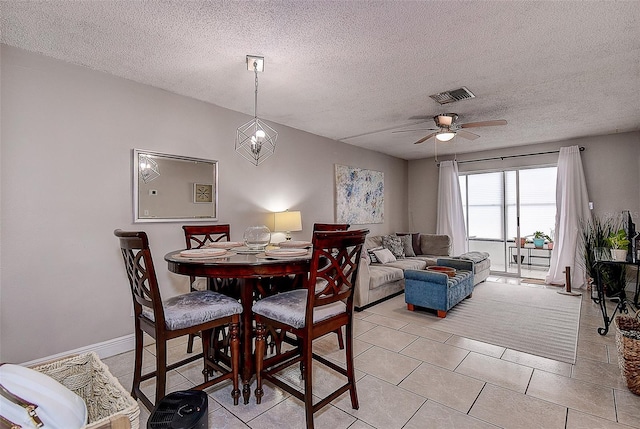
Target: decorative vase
x=257, y=237
x=538, y=242
x=619, y=254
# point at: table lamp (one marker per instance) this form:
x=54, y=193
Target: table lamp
x=287, y=221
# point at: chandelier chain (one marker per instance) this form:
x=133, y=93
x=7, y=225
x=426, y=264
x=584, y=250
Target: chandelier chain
x=255, y=104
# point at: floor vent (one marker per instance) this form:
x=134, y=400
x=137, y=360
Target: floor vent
x=453, y=95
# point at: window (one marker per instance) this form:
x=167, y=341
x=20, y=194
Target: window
x=489, y=202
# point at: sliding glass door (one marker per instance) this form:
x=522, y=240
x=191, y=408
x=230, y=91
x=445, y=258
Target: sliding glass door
x=503, y=207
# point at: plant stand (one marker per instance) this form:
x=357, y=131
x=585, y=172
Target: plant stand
x=624, y=304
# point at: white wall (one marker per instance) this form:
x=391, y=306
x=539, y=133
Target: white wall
x=67, y=134
x=611, y=165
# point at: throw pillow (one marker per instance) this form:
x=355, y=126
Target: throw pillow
x=384, y=256
x=372, y=255
x=394, y=244
x=408, y=245
x=415, y=241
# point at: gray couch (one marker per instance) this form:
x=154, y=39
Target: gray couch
x=377, y=281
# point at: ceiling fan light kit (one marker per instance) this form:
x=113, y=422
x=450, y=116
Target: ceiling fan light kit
x=445, y=136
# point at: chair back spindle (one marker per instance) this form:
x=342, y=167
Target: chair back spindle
x=334, y=268
x=198, y=236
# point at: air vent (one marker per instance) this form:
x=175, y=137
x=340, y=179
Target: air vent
x=453, y=95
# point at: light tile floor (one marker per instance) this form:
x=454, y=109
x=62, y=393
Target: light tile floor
x=411, y=376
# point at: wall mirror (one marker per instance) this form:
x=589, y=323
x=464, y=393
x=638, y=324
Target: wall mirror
x=173, y=188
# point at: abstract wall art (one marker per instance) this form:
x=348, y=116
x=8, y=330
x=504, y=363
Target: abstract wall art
x=359, y=195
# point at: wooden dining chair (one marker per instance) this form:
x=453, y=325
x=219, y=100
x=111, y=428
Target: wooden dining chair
x=197, y=311
x=197, y=236
x=330, y=227
x=323, y=306
x=333, y=227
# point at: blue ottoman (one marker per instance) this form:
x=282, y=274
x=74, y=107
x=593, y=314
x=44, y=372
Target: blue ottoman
x=438, y=291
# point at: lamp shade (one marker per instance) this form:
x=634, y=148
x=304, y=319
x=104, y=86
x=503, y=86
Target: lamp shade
x=287, y=221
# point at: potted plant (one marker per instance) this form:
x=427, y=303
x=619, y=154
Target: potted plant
x=619, y=245
x=539, y=238
x=594, y=244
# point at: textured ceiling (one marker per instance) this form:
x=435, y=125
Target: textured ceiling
x=352, y=70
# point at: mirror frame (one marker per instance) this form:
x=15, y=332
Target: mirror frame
x=136, y=188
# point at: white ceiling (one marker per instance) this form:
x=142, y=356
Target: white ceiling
x=349, y=70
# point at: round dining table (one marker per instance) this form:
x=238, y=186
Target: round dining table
x=248, y=268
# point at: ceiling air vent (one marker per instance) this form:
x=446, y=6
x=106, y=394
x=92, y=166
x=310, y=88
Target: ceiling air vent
x=453, y=95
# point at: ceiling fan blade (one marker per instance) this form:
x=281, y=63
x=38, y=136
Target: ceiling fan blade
x=381, y=130
x=484, y=123
x=424, y=139
x=467, y=135
x=414, y=130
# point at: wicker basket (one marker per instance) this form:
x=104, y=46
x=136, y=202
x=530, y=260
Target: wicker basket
x=108, y=403
x=628, y=345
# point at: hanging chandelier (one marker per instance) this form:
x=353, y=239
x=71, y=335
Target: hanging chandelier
x=255, y=140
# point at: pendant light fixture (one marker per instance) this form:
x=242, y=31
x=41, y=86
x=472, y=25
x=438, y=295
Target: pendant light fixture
x=255, y=140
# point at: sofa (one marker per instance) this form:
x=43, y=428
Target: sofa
x=481, y=265
x=436, y=290
x=377, y=281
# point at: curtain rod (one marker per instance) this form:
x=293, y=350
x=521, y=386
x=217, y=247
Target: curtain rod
x=514, y=156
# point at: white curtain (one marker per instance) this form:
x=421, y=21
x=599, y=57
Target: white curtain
x=572, y=205
x=450, y=213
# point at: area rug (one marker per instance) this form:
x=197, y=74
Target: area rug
x=529, y=318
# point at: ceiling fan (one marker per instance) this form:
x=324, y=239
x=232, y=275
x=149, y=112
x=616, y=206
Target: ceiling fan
x=448, y=128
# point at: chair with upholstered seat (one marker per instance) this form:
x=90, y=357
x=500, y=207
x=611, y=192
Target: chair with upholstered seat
x=197, y=311
x=324, y=305
x=198, y=236
x=333, y=227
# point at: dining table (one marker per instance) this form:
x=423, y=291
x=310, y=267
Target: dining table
x=250, y=268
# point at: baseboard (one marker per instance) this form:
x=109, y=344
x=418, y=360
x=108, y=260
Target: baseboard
x=104, y=349
x=371, y=304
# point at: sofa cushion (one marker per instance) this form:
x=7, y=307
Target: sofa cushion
x=434, y=244
x=380, y=275
x=415, y=242
x=384, y=256
x=394, y=244
x=373, y=242
x=409, y=264
x=429, y=260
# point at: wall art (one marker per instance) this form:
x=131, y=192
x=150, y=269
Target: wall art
x=359, y=195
